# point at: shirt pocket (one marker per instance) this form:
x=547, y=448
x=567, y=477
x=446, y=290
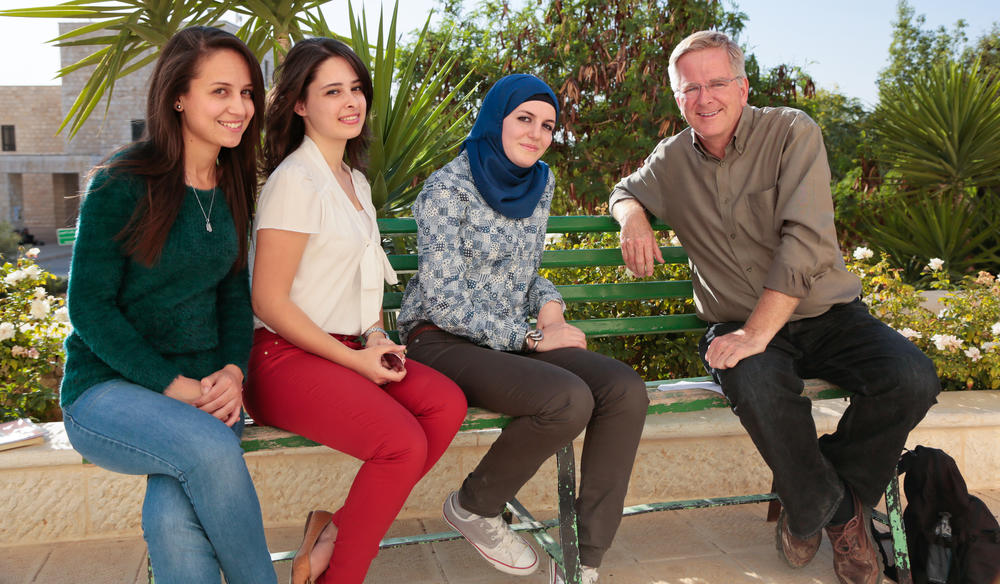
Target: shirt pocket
x=761, y=219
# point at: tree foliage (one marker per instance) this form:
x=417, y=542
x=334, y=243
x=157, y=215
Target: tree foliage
x=914, y=48
x=607, y=62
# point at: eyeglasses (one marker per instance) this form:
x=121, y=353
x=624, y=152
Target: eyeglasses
x=692, y=91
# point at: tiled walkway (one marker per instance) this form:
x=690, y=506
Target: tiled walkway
x=732, y=545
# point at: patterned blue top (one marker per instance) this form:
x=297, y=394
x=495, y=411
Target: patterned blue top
x=478, y=270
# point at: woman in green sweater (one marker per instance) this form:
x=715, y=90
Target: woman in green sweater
x=159, y=302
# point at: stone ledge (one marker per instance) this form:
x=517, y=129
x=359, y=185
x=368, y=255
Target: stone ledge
x=48, y=494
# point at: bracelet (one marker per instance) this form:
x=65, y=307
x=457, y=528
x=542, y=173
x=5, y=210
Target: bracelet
x=374, y=329
x=532, y=335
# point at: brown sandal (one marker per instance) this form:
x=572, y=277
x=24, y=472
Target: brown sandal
x=316, y=522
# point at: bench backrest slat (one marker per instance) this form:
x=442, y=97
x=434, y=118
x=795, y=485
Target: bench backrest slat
x=556, y=224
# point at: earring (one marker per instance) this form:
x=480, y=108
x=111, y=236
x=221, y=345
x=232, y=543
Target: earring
x=178, y=106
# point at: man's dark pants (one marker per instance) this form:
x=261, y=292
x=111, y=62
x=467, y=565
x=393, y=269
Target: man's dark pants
x=893, y=385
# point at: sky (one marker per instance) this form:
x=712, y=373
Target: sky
x=842, y=43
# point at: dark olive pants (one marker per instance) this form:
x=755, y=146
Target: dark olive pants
x=552, y=396
x=893, y=385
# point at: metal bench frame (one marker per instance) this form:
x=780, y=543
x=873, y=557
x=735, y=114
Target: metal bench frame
x=564, y=555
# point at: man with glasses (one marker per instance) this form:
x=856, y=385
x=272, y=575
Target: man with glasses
x=747, y=191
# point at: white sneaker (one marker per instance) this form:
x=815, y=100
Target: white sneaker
x=492, y=538
x=589, y=574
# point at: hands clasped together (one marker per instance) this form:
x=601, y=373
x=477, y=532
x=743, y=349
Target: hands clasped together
x=219, y=394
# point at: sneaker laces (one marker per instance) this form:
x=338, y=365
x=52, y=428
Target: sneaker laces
x=501, y=533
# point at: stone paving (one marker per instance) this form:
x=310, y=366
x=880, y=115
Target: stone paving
x=732, y=545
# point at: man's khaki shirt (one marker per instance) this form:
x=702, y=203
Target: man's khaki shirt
x=762, y=217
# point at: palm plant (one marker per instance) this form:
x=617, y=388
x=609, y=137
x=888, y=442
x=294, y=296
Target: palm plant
x=941, y=133
x=414, y=131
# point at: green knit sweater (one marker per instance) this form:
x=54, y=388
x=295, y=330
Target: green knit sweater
x=189, y=314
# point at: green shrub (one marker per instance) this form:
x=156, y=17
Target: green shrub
x=9, y=240
x=963, y=338
x=33, y=325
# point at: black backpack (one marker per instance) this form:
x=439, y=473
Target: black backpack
x=952, y=536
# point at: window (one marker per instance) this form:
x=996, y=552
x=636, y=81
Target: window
x=8, y=138
x=138, y=129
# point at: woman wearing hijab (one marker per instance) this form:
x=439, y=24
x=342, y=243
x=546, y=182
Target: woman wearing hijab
x=481, y=231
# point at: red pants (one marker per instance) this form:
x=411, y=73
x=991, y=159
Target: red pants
x=399, y=430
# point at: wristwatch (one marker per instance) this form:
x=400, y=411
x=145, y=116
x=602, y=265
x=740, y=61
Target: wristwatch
x=532, y=335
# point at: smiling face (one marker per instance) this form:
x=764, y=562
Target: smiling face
x=712, y=114
x=334, y=107
x=218, y=104
x=527, y=132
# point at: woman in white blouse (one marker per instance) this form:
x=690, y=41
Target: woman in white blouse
x=322, y=366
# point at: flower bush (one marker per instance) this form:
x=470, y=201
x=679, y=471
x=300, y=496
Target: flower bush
x=962, y=337
x=33, y=325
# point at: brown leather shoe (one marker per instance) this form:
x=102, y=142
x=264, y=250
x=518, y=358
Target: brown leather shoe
x=796, y=552
x=854, y=557
x=316, y=522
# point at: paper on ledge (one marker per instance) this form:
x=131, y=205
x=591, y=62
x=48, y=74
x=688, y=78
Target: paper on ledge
x=679, y=385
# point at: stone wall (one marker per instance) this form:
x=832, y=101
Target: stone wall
x=47, y=494
x=34, y=111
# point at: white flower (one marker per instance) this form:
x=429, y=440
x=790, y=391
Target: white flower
x=935, y=264
x=995, y=329
x=990, y=345
x=62, y=314
x=946, y=342
x=39, y=292
x=32, y=253
x=14, y=277
x=911, y=334
x=973, y=353
x=7, y=330
x=39, y=308
x=33, y=353
x=18, y=351
x=33, y=271
x=863, y=253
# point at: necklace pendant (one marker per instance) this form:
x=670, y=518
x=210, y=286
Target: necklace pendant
x=208, y=226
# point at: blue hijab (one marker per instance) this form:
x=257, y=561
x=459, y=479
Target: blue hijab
x=509, y=189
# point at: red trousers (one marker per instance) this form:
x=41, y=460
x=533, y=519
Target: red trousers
x=399, y=430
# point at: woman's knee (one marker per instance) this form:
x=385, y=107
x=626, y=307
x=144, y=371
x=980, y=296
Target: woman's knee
x=625, y=392
x=570, y=406
x=401, y=443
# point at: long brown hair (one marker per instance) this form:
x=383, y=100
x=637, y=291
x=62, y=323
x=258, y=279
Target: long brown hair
x=159, y=155
x=285, y=128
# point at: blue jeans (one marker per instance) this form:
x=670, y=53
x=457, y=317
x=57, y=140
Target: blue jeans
x=201, y=511
x=893, y=385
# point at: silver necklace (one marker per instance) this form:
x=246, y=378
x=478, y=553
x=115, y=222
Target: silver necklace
x=208, y=223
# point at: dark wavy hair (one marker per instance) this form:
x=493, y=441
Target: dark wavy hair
x=159, y=156
x=285, y=128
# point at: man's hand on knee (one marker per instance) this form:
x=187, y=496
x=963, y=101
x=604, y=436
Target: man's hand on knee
x=726, y=351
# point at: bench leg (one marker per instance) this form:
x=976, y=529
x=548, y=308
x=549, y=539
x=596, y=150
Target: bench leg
x=567, y=515
x=774, y=507
x=894, y=509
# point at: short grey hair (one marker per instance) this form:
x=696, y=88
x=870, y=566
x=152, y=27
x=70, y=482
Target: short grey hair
x=707, y=39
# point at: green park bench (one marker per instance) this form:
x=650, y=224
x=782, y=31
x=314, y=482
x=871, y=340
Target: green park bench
x=565, y=553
